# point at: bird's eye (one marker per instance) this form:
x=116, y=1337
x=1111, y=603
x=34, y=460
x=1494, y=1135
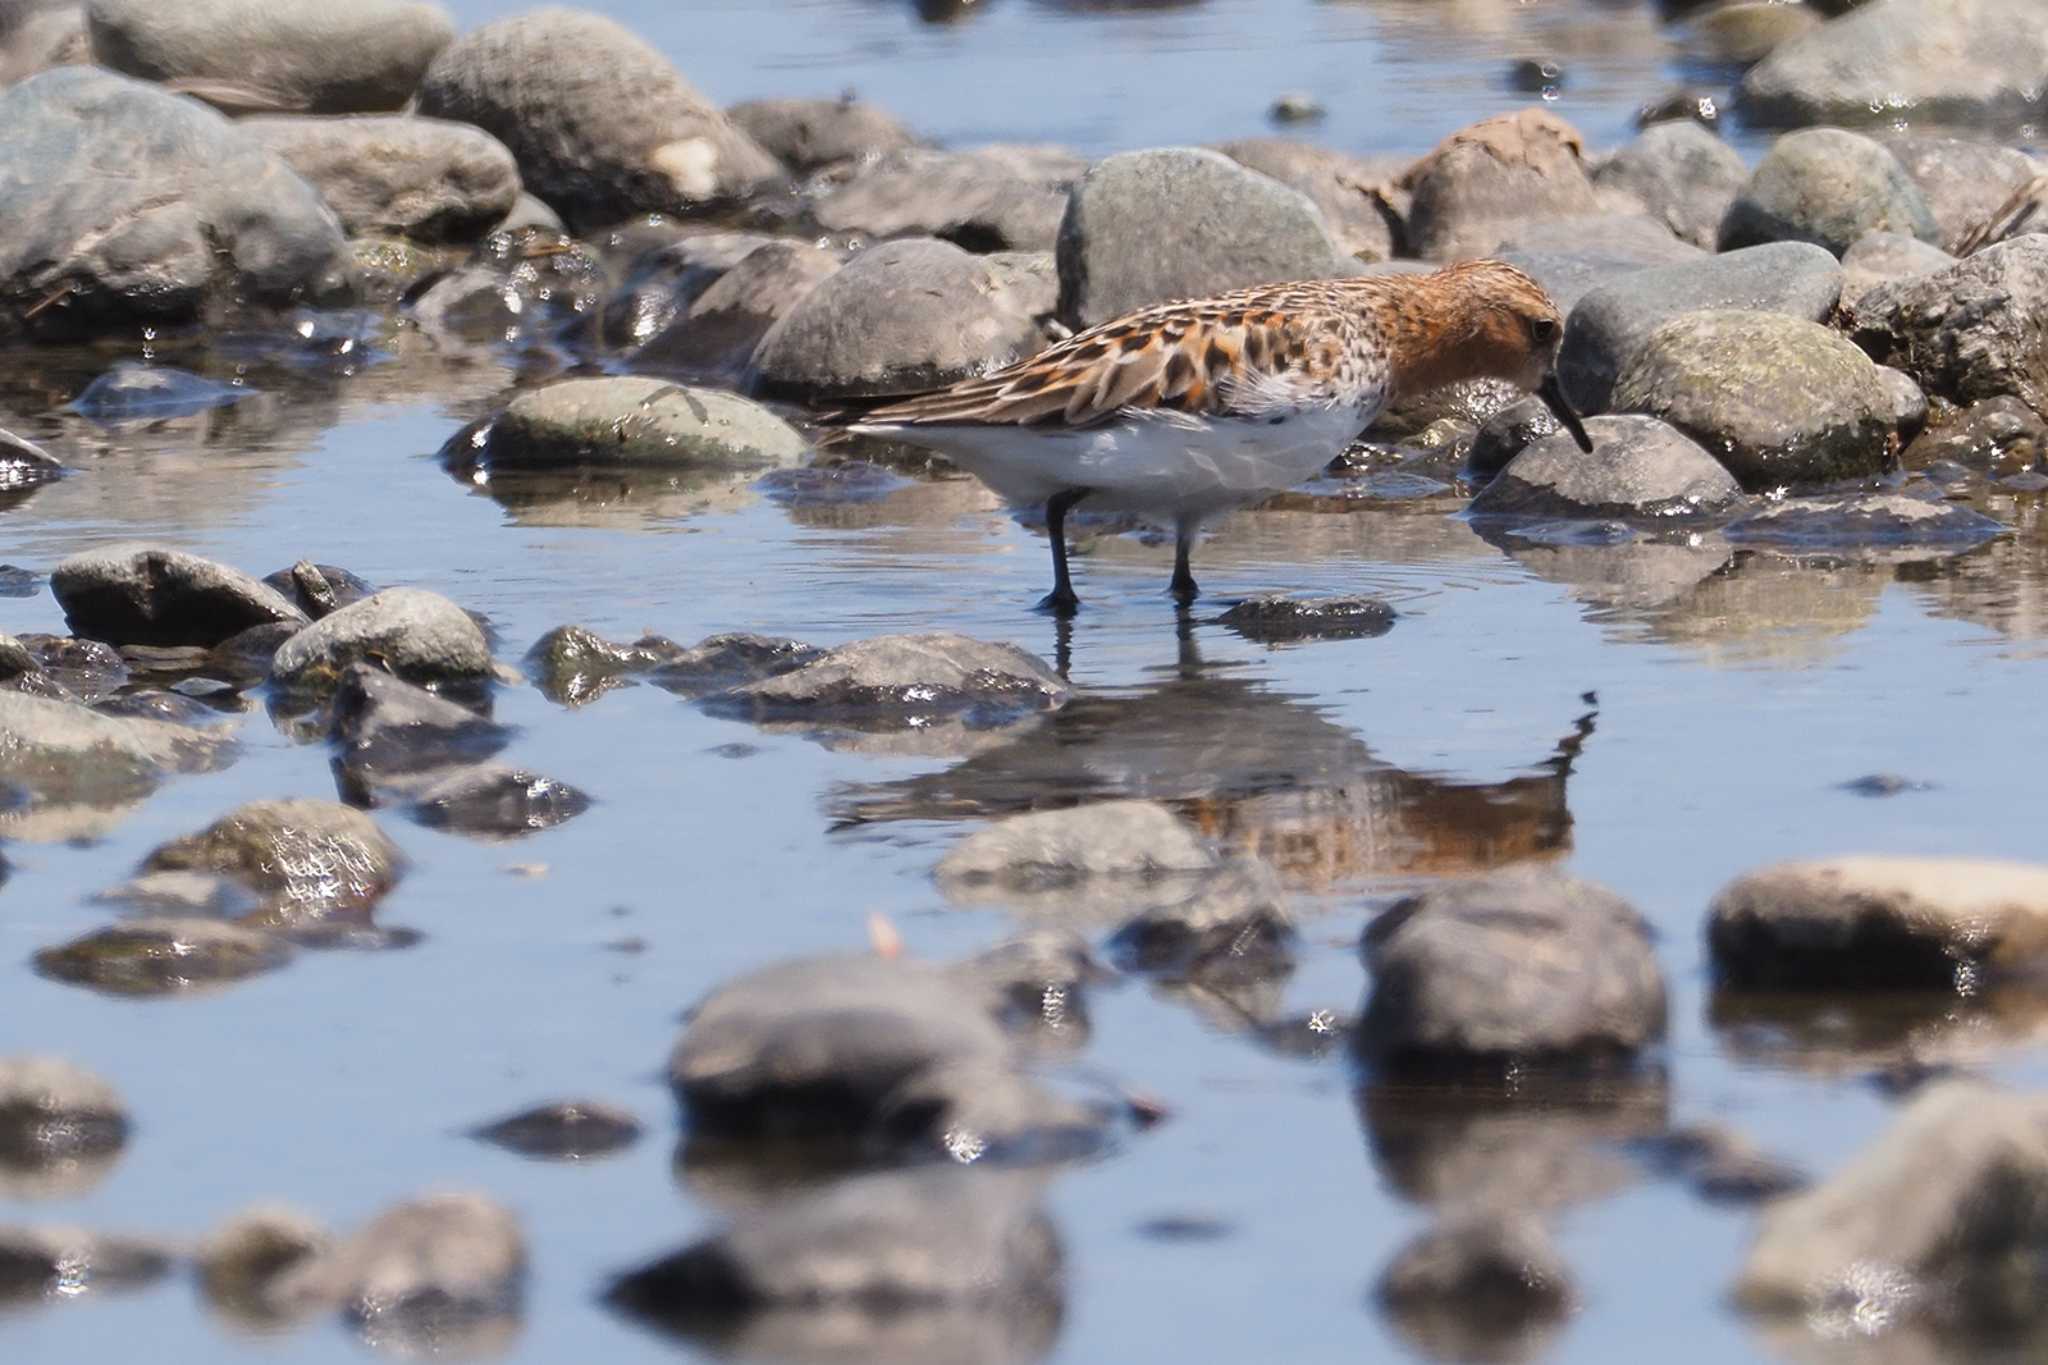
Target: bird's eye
x=1543, y=329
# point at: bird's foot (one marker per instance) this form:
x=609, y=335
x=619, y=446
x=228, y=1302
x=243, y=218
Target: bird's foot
x=1057, y=603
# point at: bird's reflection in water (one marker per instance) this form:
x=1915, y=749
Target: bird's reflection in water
x=1263, y=772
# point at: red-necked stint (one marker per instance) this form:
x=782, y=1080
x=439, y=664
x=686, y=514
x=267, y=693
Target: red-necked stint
x=1185, y=410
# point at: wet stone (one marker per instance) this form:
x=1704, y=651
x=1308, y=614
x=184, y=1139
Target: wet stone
x=54, y=1115
x=898, y=318
x=318, y=589
x=418, y=635
x=665, y=279
x=66, y=757
x=243, y=1259
x=1639, y=469
x=1025, y=856
x=1515, y=966
x=719, y=663
x=567, y=1130
x=385, y=727
x=896, y=1246
x=639, y=421
x=1507, y=433
x=422, y=178
x=162, y=956
x=1828, y=187
x=54, y=1263
x=894, y=681
x=806, y=134
x=1038, y=983
x=1884, y=784
x=573, y=666
x=1609, y=325
x=279, y=55
x=1490, y=180
x=1168, y=223
x=1942, y=1215
x=1977, y=329
x=1874, y=921
x=134, y=392
x=1880, y=520
x=154, y=595
x=600, y=123
x=1480, y=1287
x=244, y=658
x=1235, y=923
x=986, y=199
x=23, y=465
x=184, y=215
x=492, y=801
x=1281, y=618
x=311, y=859
x=1778, y=400
x=522, y=283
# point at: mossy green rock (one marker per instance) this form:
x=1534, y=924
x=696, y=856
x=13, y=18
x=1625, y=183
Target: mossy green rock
x=1780, y=401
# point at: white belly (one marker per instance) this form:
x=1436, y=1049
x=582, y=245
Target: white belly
x=1165, y=470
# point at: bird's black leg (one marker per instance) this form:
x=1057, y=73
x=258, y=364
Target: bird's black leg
x=1061, y=600
x=1183, y=586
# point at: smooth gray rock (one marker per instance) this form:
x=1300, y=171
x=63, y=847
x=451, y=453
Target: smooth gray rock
x=423, y=178
x=1023, y=855
x=807, y=134
x=1684, y=176
x=726, y=322
x=1975, y=330
x=300, y=56
x=904, y=680
x=162, y=956
x=718, y=663
x=1828, y=187
x=573, y=666
x=633, y=420
x=1478, y=1287
x=1639, y=468
x=1909, y=402
x=1932, y=60
x=1965, y=180
x=1610, y=324
x=1571, y=257
x=53, y=1112
x=1001, y=198
x=1507, y=433
x=62, y=753
x=1178, y=222
x=1354, y=194
x=127, y=206
x=1525, y=965
x=600, y=123
x=1740, y=32
x=1777, y=399
x=664, y=280
x=493, y=801
x=308, y=860
x=1491, y=180
x=1879, y=922
x=900, y=317
x=154, y=595
x=521, y=284
x=1940, y=1219
x=419, y=635
x=1882, y=257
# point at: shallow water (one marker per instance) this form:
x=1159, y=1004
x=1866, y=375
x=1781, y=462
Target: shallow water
x=1657, y=718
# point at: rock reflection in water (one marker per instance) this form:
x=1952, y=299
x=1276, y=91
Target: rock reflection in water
x=1893, y=1033
x=1264, y=773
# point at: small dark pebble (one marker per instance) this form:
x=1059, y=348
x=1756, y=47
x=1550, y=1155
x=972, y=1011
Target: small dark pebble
x=1884, y=784
x=1701, y=106
x=1296, y=107
x=569, y=1130
x=1273, y=618
x=1534, y=75
x=1185, y=1227
x=736, y=749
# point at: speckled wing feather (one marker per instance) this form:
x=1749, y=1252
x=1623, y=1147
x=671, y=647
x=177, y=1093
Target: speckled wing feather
x=1244, y=354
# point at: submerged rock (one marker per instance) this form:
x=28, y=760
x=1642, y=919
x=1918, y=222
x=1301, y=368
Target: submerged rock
x=1519, y=966
x=307, y=860
x=719, y=663
x=154, y=595
x=1777, y=399
x=897, y=318
x=522, y=283
x=600, y=123
x=1722, y=1166
x=143, y=957
x=493, y=801
x=1828, y=187
x=422, y=178
x=276, y=55
x=1864, y=520
x=1879, y=921
x=386, y=729
x=1478, y=1287
x=641, y=422
x=1025, y=856
x=1639, y=468
x=1940, y=1220
x=420, y=636
x=66, y=757
x=1995, y=436
x=60, y=1126
x=894, y=681
x=1487, y=181
x=50, y=1263
x=1977, y=329
x=573, y=666
x=1234, y=925
x=1277, y=618
x=1177, y=222
x=569, y=1130
x=242, y=1260
x=128, y=206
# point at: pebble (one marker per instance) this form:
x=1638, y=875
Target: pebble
x=317, y=589
x=1829, y=187
x=61, y=1127
x=307, y=860
x=1296, y=107
x=566, y=1130
x=1639, y=468
x=1520, y=966
x=418, y=635
x=162, y=956
x=241, y=1261
x=602, y=126
x=1233, y=925
x=1874, y=921
x=420, y=178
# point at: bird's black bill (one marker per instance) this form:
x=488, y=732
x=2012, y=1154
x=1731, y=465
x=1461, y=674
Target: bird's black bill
x=1553, y=396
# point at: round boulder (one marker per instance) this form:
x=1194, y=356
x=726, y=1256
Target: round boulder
x=1639, y=467
x=153, y=595
x=126, y=205
x=638, y=421
x=1179, y=222
x=421, y=178
x=1683, y=175
x=1776, y=399
x=419, y=635
x=1828, y=187
x=898, y=318
x=600, y=123
x=302, y=56
x=1512, y=967
x=1489, y=181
